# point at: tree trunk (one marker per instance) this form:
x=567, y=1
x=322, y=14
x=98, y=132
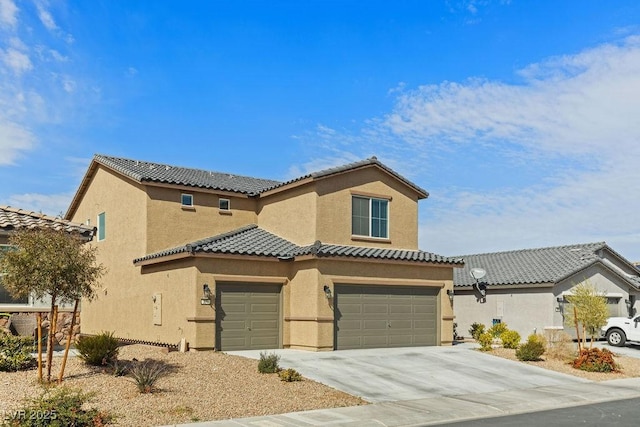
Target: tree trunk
x=575, y=318
x=69, y=336
x=39, y=320
x=52, y=331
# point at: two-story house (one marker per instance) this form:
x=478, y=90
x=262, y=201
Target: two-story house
x=327, y=261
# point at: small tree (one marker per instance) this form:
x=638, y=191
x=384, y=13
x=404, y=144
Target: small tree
x=588, y=310
x=48, y=262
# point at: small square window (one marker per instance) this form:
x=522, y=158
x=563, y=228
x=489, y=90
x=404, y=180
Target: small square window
x=187, y=199
x=224, y=204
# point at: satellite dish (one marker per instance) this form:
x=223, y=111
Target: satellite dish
x=477, y=273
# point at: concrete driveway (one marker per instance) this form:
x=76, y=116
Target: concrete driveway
x=385, y=375
x=631, y=350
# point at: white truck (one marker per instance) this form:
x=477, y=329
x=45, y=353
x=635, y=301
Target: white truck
x=620, y=330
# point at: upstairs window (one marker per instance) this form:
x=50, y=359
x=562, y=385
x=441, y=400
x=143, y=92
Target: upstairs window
x=187, y=200
x=224, y=204
x=369, y=217
x=102, y=229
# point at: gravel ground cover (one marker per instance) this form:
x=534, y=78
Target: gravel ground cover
x=201, y=386
x=629, y=366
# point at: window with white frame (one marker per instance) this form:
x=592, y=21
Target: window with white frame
x=369, y=217
x=224, y=204
x=102, y=226
x=186, y=200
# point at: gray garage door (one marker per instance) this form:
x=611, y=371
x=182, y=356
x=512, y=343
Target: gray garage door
x=247, y=316
x=385, y=316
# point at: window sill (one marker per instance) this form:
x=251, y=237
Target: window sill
x=188, y=208
x=370, y=239
x=223, y=212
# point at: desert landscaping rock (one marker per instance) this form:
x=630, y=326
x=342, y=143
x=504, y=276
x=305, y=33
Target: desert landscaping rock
x=202, y=386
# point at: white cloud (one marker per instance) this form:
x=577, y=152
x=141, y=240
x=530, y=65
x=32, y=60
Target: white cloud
x=16, y=60
x=8, y=14
x=46, y=18
x=14, y=139
x=575, y=115
x=50, y=204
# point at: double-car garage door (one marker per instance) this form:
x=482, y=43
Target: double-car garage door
x=248, y=316
x=385, y=316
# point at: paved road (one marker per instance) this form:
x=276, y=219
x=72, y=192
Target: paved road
x=620, y=413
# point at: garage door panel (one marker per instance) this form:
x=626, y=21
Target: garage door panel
x=247, y=316
x=385, y=316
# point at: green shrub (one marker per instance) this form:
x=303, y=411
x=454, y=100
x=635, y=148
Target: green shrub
x=510, y=339
x=497, y=329
x=290, y=375
x=595, y=360
x=15, y=353
x=268, y=363
x=98, y=350
x=59, y=407
x=532, y=350
x=476, y=330
x=485, y=340
x=145, y=374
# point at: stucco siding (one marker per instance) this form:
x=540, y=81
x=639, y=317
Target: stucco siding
x=334, y=209
x=123, y=203
x=291, y=214
x=524, y=311
x=169, y=224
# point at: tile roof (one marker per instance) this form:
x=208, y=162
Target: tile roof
x=530, y=266
x=12, y=219
x=155, y=172
x=253, y=240
x=142, y=171
x=350, y=166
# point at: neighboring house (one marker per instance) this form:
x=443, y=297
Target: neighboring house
x=327, y=261
x=12, y=219
x=527, y=288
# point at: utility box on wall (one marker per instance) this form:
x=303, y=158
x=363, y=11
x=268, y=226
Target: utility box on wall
x=157, y=309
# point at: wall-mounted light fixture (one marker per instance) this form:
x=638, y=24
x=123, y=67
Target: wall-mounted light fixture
x=327, y=292
x=206, y=295
x=450, y=293
x=560, y=307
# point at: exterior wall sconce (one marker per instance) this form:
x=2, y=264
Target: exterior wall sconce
x=327, y=292
x=450, y=293
x=560, y=307
x=206, y=295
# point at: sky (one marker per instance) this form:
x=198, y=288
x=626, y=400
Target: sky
x=520, y=118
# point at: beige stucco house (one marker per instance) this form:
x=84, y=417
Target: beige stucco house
x=327, y=261
x=527, y=288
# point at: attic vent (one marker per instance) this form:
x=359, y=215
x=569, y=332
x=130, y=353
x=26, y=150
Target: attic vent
x=137, y=163
x=575, y=250
x=231, y=176
x=152, y=167
x=167, y=168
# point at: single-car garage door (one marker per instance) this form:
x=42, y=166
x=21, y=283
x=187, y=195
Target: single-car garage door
x=385, y=316
x=247, y=316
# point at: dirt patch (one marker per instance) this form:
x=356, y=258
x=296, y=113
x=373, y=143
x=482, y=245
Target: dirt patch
x=203, y=386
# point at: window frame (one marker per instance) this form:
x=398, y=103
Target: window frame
x=182, y=199
x=101, y=226
x=14, y=302
x=371, y=219
x=220, y=201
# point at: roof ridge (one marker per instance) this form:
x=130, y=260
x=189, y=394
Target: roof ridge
x=598, y=245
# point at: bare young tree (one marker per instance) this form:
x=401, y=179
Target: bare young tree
x=588, y=310
x=54, y=264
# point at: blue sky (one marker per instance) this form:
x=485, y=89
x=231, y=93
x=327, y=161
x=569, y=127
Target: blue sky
x=520, y=118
